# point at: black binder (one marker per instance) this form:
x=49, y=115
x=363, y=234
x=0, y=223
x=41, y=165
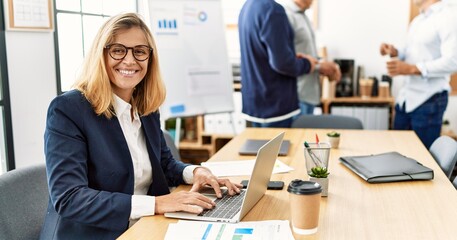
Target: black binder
x=387, y=167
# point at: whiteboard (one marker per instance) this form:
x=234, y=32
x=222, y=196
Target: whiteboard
x=190, y=39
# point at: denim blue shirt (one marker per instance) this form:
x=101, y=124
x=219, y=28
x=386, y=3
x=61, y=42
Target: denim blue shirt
x=432, y=46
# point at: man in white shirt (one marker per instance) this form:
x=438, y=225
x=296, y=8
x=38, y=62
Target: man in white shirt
x=308, y=85
x=428, y=59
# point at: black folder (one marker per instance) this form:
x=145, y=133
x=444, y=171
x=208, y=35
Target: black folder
x=387, y=167
x=251, y=146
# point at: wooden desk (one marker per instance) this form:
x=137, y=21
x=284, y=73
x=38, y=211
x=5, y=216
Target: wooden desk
x=354, y=208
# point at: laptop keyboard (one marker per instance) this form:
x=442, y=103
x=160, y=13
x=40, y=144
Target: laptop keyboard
x=226, y=207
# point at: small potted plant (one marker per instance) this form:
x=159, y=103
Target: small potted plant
x=334, y=139
x=320, y=175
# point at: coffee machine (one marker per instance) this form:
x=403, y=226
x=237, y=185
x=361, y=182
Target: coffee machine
x=345, y=87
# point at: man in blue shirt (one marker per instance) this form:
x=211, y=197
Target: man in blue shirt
x=269, y=64
x=428, y=59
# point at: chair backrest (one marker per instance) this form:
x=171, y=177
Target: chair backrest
x=23, y=202
x=444, y=150
x=327, y=121
x=171, y=145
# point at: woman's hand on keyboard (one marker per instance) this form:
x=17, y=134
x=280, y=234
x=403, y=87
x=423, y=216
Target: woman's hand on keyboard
x=192, y=202
x=203, y=177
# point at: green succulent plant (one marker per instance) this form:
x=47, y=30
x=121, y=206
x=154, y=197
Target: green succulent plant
x=333, y=134
x=319, y=172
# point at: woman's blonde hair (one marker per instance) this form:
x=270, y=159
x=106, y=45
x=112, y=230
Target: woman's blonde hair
x=94, y=82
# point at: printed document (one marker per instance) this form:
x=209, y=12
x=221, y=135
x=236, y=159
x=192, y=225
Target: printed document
x=258, y=230
x=240, y=168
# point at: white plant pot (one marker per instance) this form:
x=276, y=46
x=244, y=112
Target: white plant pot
x=334, y=141
x=324, y=184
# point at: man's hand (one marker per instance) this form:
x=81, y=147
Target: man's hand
x=192, y=202
x=313, y=61
x=396, y=67
x=388, y=49
x=331, y=70
x=203, y=177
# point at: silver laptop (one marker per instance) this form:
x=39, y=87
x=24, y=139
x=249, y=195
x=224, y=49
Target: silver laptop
x=251, y=147
x=234, y=208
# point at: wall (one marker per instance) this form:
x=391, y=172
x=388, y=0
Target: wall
x=32, y=80
x=355, y=28
x=350, y=29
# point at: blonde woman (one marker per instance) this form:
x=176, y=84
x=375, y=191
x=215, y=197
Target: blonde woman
x=106, y=157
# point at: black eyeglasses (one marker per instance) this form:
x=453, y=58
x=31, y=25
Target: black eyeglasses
x=118, y=51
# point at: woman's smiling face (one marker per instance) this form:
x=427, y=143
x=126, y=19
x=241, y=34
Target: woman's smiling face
x=126, y=73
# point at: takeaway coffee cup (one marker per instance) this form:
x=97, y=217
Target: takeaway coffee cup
x=305, y=199
x=384, y=89
x=366, y=87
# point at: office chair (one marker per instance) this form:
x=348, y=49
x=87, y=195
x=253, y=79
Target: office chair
x=444, y=151
x=23, y=202
x=327, y=121
x=171, y=145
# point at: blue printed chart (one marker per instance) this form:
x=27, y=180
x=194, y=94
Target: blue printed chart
x=193, y=57
x=259, y=230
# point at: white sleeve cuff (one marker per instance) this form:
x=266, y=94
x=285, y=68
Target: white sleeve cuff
x=422, y=68
x=142, y=205
x=188, y=174
x=401, y=54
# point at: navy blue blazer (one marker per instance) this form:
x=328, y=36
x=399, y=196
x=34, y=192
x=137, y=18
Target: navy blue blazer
x=90, y=171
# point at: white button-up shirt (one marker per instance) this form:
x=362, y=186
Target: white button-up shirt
x=142, y=205
x=432, y=46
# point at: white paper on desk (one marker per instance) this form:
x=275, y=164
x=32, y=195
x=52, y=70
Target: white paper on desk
x=240, y=168
x=258, y=230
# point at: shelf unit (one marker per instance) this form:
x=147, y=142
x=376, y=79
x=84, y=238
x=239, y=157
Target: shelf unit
x=195, y=145
x=359, y=101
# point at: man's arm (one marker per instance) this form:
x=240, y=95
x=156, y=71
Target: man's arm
x=396, y=67
x=447, y=62
x=276, y=34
